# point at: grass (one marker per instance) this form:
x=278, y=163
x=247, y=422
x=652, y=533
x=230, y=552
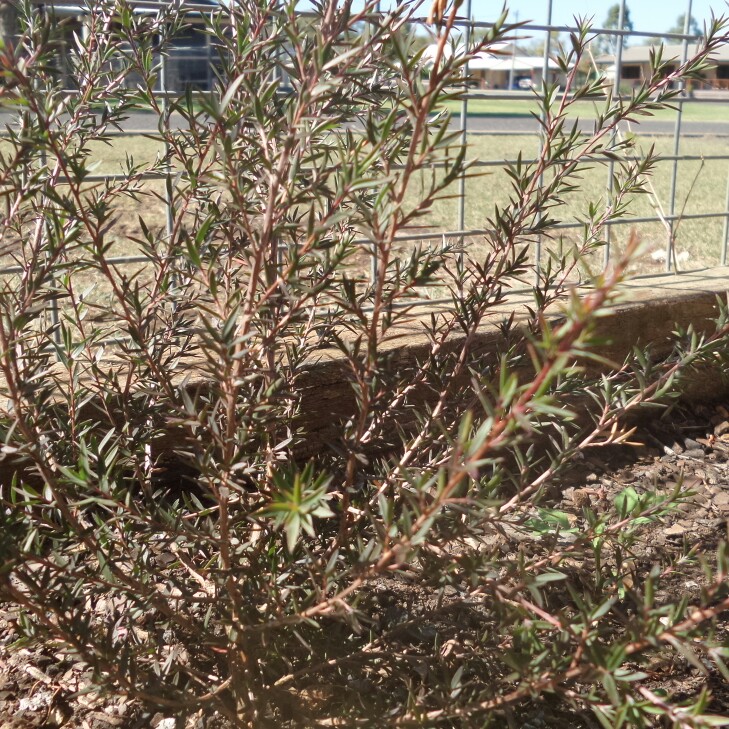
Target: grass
x=701, y=188
x=693, y=110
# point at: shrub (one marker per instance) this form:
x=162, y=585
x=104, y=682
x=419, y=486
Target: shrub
x=171, y=514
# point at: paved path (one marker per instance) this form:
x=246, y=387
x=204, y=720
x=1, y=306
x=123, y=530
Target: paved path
x=141, y=121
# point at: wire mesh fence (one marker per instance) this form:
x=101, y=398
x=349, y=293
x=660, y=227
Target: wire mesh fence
x=694, y=152
x=684, y=220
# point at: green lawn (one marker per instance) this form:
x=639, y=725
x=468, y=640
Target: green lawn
x=700, y=240
x=701, y=188
x=692, y=110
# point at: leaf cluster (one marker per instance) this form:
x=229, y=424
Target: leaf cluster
x=225, y=482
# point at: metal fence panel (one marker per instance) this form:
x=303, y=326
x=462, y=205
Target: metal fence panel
x=191, y=64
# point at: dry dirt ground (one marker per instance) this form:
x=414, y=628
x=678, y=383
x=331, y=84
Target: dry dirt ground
x=39, y=688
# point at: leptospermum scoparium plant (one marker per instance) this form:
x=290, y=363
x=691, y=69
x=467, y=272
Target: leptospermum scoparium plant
x=224, y=484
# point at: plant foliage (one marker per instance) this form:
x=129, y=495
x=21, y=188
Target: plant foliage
x=223, y=482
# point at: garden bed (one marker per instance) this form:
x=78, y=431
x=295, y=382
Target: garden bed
x=39, y=687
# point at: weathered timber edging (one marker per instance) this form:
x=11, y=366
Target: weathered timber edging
x=650, y=312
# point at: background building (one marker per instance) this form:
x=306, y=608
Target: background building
x=636, y=65
x=507, y=67
x=190, y=58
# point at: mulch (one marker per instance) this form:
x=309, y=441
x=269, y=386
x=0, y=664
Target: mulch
x=40, y=687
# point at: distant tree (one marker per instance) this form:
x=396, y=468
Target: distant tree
x=679, y=26
x=536, y=46
x=609, y=43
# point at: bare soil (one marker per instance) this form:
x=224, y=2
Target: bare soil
x=39, y=687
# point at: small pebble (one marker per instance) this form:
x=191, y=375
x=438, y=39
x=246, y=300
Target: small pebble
x=721, y=428
x=675, y=530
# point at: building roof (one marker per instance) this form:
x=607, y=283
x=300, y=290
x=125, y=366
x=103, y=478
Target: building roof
x=673, y=52
x=490, y=62
x=66, y=7
x=483, y=62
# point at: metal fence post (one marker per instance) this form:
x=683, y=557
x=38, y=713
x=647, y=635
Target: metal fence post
x=542, y=139
x=374, y=253
x=166, y=128
x=464, y=136
x=725, y=236
x=616, y=94
x=672, y=226
x=53, y=307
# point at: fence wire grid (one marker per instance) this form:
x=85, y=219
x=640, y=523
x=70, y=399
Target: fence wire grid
x=687, y=229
